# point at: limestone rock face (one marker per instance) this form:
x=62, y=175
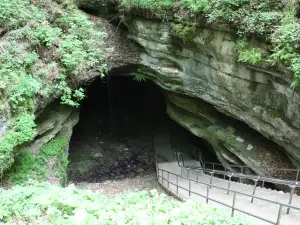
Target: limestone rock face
x=232, y=141
x=206, y=68
x=55, y=120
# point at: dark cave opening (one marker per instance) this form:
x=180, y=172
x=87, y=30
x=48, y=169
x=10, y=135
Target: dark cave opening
x=114, y=136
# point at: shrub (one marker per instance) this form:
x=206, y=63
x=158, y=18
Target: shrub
x=46, y=204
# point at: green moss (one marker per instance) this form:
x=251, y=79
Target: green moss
x=22, y=130
x=51, y=162
x=185, y=31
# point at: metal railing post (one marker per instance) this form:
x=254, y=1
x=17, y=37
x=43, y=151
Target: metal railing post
x=233, y=204
x=178, y=159
x=211, y=178
x=162, y=177
x=254, y=189
x=241, y=173
x=190, y=186
x=225, y=172
x=198, y=171
x=177, y=184
x=188, y=172
x=207, y=193
x=291, y=197
x=279, y=215
x=168, y=179
x=182, y=159
x=229, y=181
x=263, y=184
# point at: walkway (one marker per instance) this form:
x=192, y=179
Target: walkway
x=183, y=184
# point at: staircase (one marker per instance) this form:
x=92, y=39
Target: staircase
x=189, y=179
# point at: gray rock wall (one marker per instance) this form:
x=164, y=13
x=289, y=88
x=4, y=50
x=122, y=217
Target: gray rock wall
x=206, y=68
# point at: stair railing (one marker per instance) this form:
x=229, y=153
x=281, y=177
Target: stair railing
x=255, y=178
x=166, y=179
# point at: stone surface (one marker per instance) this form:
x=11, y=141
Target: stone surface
x=206, y=68
x=55, y=120
x=204, y=121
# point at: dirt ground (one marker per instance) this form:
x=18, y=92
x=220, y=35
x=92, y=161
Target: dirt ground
x=114, y=187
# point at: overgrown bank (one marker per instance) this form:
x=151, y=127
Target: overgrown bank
x=47, y=46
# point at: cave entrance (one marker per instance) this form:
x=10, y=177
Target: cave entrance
x=114, y=136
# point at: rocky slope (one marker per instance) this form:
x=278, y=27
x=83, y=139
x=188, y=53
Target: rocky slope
x=199, y=71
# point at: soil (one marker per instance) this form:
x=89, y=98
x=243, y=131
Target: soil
x=114, y=187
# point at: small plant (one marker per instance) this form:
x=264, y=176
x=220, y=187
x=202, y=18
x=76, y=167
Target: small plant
x=185, y=31
x=69, y=96
x=139, y=75
x=247, y=53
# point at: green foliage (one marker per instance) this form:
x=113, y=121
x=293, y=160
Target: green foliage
x=23, y=92
x=139, y=75
x=43, y=40
x=196, y=6
x=185, y=31
x=69, y=96
x=42, y=33
x=13, y=13
x=247, y=53
x=147, y=4
x=66, y=36
x=79, y=48
x=46, y=204
x=273, y=21
x=21, y=130
x=51, y=161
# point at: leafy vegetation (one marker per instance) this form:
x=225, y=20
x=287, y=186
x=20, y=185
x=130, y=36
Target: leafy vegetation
x=185, y=31
x=46, y=46
x=271, y=21
x=139, y=75
x=147, y=4
x=21, y=130
x=46, y=204
x=50, y=162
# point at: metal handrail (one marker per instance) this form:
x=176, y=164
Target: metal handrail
x=242, y=167
x=233, y=208
x=242, y=175
x=292, y=184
